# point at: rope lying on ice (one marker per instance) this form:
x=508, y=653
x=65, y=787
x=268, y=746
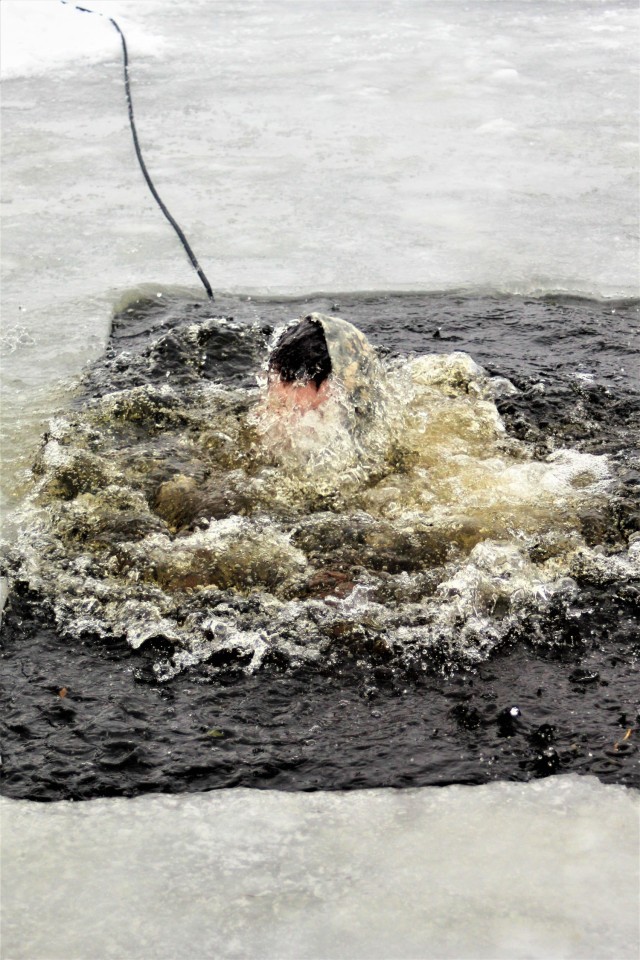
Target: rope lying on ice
x=136, y=144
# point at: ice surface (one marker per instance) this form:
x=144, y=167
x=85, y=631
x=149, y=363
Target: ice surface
x=343, y=145
x=548, y=869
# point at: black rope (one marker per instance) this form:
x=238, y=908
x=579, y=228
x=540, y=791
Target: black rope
x=145, y=172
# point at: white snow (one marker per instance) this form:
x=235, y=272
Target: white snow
x=41, y=36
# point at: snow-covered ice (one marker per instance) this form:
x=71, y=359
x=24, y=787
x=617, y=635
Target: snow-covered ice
x=548, y=869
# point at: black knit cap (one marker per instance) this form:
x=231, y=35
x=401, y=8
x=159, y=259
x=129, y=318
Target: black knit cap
x=301, y=354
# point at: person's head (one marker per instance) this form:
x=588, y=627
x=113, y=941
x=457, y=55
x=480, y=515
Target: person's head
x=301, y=354
x=324, y=392
x=299, y=367
x=318, y=355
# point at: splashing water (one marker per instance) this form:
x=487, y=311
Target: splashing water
x=193, y=512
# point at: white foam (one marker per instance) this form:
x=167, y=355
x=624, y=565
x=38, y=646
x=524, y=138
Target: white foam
x=546, y=869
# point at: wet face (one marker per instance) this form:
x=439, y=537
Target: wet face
x=295, y=398
x=299, y=367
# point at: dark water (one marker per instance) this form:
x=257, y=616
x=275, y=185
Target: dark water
x=85, y=714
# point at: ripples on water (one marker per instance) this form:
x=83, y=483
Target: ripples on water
x=445, y=590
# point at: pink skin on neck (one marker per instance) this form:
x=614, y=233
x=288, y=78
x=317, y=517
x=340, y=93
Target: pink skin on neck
x=296, y=398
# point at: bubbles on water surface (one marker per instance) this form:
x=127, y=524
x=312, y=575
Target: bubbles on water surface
x=182, y=508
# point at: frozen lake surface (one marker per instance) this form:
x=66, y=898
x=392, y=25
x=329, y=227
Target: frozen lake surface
x=503, y=871
x=304, y=147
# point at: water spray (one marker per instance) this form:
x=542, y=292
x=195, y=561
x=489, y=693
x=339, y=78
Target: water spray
x=127, y=86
